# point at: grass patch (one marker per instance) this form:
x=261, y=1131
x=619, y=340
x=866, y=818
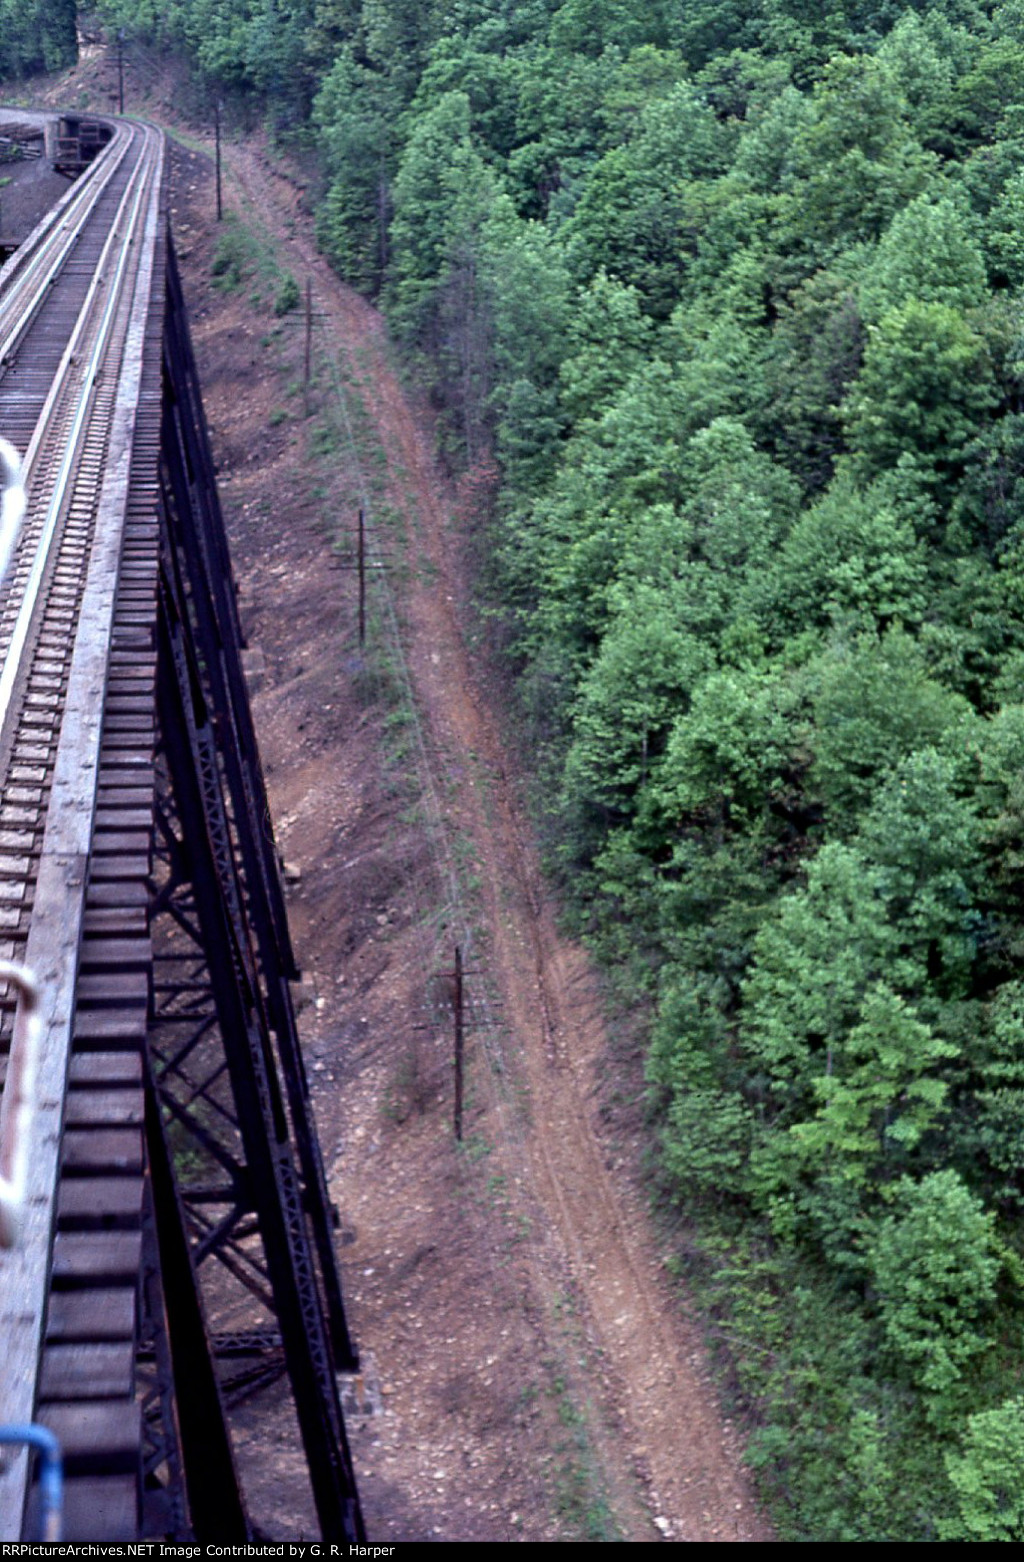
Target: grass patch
x=324, y=440
x=288, y=296
x=234, y=259
x=578, y=1499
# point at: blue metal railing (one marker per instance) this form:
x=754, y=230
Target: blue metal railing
x=51, y=1474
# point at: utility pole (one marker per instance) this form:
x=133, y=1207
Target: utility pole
x=120, y=70
x=459, y=1042
x=216, y=127
x=362, y=566
x=362, y=588
x=309, y=340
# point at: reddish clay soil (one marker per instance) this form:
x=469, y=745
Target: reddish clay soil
x=540, y=1378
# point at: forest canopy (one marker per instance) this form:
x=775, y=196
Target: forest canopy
x=733, y=294
x=36, y=35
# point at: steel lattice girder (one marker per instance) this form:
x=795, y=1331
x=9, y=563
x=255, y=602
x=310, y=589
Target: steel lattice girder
x=225, y=1060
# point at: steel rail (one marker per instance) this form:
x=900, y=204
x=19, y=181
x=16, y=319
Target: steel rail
x=86, y=382
x=47, y=248
x=44, y=270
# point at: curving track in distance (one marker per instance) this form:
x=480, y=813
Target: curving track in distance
x=79, y=399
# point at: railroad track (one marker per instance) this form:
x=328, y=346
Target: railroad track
x=80, y=399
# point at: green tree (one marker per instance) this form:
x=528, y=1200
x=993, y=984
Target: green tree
x=927, y=255
x=988, y=1132
x=591, y=26
x=991, y=87
x=560, y=128
x=703, y=31
x=923, y=56
x=934, y=1263
x=645, y=670
x=814, y=355
x=923, y=832
x=397, y=36
x=707, y=1141
x=987, y=1476
x=815, y=962
x=217, y=37
x=620, y=477
x=852, y=560
x=36, y=35
x=451, y=218
x=1002, y=237
x=528, y=288
x=482, y=67
x=859, y=158
x=277, y=60
x=878, y=1101
x=355, y=112
x=769, y=156
x=925, y=383
x=738, y=501
x=726, y=756
x=609, y=339
x=874, y=704
x=438, y=163
x=631, y=219
x=647, y=74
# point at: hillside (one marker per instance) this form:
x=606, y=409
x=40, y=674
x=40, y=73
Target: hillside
x=719, y=314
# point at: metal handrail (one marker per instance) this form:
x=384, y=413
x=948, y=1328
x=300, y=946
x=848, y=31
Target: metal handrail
x=17, y=1108
x=12, y=508
x=51, y=1473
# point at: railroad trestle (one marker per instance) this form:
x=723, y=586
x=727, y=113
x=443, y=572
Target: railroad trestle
x=189, y=1237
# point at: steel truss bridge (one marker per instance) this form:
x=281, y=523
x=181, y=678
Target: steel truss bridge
x=165, y=1195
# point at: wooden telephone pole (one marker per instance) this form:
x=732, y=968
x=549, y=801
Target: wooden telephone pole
x=459, y=1042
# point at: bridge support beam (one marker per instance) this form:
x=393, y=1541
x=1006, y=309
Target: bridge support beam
x=233, y=1143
